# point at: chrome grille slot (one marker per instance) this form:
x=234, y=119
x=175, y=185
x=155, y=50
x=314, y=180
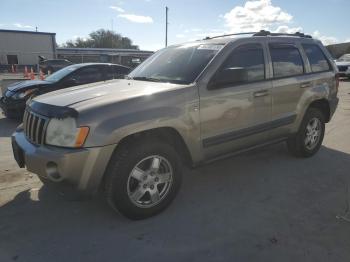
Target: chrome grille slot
x=34, y=127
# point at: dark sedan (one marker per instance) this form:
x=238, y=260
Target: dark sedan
x=53, y=65
x=14, y=100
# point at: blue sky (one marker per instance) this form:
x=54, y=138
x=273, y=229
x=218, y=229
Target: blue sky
x=143, y=20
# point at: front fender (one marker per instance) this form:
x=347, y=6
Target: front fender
x=177, y=110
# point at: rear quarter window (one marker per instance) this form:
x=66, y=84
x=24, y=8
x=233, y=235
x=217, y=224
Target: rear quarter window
x=316, y=57
x=286, y=61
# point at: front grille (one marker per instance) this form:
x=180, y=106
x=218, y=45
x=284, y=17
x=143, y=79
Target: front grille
x=342, y=68
x=34, y=127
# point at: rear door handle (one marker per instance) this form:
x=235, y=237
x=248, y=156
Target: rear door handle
x=305, y=85
x=261, y=93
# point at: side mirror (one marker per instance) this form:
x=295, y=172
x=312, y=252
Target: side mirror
x=229, y=76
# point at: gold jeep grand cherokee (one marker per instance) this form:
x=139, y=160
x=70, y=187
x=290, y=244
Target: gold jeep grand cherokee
x=187, y=104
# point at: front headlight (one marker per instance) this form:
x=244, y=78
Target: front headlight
x=23, y=94
x=65, y=133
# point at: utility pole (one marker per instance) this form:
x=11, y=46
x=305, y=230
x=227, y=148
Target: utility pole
x=166, y=26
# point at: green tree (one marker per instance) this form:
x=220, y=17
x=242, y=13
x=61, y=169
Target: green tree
x=102, y=39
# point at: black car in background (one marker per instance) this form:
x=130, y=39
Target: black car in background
x=53, y=65
x=14, y=100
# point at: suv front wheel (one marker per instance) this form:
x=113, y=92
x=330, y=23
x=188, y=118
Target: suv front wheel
x=143, y=179
x=309, y=138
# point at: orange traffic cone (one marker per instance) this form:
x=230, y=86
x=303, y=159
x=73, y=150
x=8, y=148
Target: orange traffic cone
x=32, y=76
x=26, y=75
x=42, y=76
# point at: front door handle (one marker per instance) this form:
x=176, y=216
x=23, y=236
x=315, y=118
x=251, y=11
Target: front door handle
x=305, y=85
x=261, y=93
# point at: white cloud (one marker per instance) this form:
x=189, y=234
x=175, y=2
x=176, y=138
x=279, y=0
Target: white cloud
x=259, y=15
x=19, y=25
x=347, y=40
x=137, y=18
x=117, y=8
x=210, y=34
x=180, y=35
x=326, y=40
x=255, y=16
x=288, y=30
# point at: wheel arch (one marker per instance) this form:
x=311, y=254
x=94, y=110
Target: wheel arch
x=167, y=134
x=323, y=106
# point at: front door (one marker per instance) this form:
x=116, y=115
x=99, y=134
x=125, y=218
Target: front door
x=234, y=116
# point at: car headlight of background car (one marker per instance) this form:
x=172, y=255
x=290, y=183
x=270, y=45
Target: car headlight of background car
x=65, y=133
x=21, y=95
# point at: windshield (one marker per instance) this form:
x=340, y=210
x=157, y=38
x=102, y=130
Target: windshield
x=177, y=64
x=345, y=58
x=57, y=76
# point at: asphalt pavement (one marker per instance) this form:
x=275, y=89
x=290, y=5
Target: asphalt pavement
x=264, y=205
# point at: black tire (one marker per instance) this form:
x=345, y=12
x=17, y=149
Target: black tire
x=119, y=169
x=296, y=144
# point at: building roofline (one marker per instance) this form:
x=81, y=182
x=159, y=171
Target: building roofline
x=77, y=49
x=25, y=32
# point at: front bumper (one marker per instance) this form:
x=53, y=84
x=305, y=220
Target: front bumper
x=12, y=108
x=83, y=168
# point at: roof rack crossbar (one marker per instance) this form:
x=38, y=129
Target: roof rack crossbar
x=219, y=36
x=268, y=33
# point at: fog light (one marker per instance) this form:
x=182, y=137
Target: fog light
x=52, y=172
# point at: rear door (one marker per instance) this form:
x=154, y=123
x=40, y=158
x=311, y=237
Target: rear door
x=235, y=116
x=289, y=84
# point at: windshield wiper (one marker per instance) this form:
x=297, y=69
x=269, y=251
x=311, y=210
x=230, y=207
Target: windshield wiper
x=144, y=78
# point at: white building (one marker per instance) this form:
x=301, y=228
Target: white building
x=24, y=47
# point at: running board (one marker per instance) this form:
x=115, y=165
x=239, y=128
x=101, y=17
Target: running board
x=238, y=152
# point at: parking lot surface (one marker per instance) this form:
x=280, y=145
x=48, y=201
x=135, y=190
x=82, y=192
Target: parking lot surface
x=264, y=205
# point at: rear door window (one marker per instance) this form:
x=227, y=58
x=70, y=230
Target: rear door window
x=316, y=57
x=116, y=72
x=286, y=60
x=87, y=75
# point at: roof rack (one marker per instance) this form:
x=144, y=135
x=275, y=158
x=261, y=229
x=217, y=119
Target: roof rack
x=267, y=33
x=219, y=36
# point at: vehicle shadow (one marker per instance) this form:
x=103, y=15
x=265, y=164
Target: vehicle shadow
x=253, y=207
x=8, y=126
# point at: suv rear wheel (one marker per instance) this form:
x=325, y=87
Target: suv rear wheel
x=143, y=179
x=309, y=138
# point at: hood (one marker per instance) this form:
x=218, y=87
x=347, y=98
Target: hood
x=24, y=85
x=342, y=63
x=104, y=92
